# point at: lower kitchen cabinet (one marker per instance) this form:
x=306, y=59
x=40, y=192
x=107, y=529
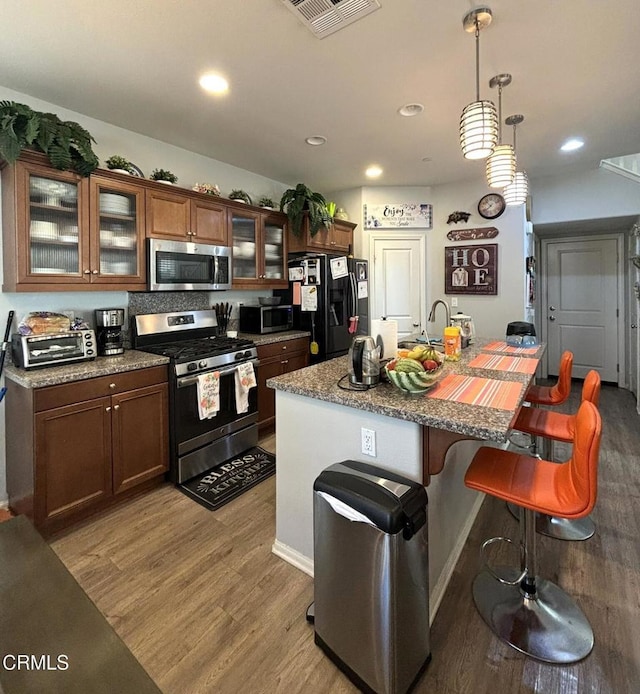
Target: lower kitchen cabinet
x=80, y=447
x=276, y=359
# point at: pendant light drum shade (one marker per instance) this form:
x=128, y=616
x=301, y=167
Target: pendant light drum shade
x=501, y=166
x=516, y=193
x=479, y=125
x=478, y=129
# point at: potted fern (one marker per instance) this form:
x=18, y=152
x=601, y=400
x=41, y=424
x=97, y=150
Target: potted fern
x=266, y=202
x=163, y=176
x=66, y=144
x=239, y=195
x=119, y=164
x=297, y=202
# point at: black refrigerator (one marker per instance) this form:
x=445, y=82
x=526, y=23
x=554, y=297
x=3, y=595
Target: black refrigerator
x=341, y=288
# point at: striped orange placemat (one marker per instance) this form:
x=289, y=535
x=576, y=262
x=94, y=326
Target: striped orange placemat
x=501, y=363
x=510, y=349
x=472, y=390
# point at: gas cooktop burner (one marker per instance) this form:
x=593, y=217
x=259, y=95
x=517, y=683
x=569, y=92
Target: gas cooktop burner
x=187, y=350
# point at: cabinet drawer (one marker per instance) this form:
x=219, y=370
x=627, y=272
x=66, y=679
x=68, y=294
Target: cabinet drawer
x=78, y=391
x=277, y=349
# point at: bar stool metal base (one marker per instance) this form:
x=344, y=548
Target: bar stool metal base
x=550, y=627
x=573, y=529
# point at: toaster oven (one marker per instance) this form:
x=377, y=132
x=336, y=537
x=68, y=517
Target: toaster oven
x=31, y=351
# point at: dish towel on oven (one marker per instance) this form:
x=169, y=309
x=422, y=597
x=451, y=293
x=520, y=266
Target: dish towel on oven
x=245, y=380
x=208, y=394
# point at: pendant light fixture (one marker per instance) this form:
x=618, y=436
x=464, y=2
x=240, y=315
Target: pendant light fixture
x=516, y=193
x=479, y=120
x=501, y=164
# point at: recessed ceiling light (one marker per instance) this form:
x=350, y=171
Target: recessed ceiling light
x=316, y=140
x=572, y=144
x=373, y=171
x=411, y=110
x=214, y=84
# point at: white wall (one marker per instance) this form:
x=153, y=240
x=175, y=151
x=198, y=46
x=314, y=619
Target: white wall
x=594, y=194
x=490, y=313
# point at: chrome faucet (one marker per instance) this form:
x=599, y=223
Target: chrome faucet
x=432, y=313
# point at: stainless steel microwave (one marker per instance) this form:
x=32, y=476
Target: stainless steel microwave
x=265, y=319
x=31, y=351
x=185, y=266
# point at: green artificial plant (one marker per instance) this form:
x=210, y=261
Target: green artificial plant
x=163, y=175
x=66, y=144
x=300, y=200
x=118, y=162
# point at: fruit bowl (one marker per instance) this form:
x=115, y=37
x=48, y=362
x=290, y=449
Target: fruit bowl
x=414, y=382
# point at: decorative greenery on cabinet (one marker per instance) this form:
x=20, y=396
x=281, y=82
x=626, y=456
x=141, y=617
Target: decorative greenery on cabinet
x=66, y=143
x=296, y=201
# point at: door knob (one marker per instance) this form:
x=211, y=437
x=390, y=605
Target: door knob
x=633, y=325
x=416, y=325
x=552, y=317
x=552, y=308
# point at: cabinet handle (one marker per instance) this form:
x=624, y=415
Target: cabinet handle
x=116, y=407
x=87, y=272
x=112, y=385
x=284, y=361
x=94, y=272
x=107, y=409
x=284, y=346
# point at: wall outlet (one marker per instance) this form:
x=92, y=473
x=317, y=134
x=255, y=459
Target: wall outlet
x=454, y=302
x=368, y=442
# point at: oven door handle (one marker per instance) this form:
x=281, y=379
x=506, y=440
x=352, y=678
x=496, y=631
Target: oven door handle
x=186, y=381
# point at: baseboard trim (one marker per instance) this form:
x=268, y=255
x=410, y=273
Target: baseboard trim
x=300, y=561
x=438, y=591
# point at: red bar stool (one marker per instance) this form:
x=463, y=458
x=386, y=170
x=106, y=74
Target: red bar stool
x=558, y=393
x=532, y=614
x=550, y=396
x=556, y=426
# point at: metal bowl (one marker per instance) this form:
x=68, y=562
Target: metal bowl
x=269, y=300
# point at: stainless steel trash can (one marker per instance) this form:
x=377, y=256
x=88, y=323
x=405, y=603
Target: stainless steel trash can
x=371, y=575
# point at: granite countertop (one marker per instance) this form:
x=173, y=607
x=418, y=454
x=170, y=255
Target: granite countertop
x=104, y=366
x=320, y=381
x=274, y=337
x=101, y=366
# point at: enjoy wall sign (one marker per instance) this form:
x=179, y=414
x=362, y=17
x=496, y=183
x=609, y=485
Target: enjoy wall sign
x=471, y=269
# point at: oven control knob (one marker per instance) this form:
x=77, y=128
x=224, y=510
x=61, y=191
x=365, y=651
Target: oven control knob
x=192, y=366
x=202, y=364
x=238, y=356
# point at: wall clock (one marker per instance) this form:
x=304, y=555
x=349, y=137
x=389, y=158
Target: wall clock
x=491, y=205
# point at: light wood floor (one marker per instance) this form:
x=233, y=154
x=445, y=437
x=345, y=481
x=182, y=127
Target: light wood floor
x=205, y=607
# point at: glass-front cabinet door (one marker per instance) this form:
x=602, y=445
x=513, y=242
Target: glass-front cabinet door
x=274, y=249
x=244, y=232
x=55, y=212
x=117, y=232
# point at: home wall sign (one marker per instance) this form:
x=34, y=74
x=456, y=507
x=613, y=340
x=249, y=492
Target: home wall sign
x=405, y=215
x=471, y=269
x=472, y=234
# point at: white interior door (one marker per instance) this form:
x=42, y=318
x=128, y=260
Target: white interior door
x=398, y=284
x=582, y=305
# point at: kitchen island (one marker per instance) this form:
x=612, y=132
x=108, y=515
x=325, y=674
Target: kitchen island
x=318, y=423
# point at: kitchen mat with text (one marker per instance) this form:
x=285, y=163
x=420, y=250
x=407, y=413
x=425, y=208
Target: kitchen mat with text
x=502, y=363
x=472, y=390
x=228, y=480
x=500, y=346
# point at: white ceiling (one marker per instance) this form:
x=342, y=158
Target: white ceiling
x=135, y=63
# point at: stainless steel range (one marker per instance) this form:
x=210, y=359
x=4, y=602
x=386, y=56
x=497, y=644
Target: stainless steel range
x=190, y=340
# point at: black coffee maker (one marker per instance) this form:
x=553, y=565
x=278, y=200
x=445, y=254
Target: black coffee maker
x=109, y=322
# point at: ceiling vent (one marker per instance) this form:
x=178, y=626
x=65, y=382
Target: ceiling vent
x=324, y=17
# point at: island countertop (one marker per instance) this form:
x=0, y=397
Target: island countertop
x=320, y=381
